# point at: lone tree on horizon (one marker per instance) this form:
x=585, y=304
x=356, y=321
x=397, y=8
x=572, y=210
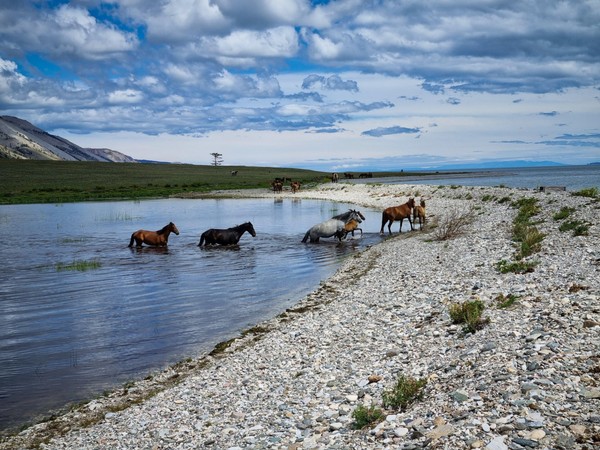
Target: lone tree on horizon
x=217, y=160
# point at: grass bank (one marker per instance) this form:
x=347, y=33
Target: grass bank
x=75, y=181
x=27, y=181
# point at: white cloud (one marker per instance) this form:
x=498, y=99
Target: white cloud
x=482, y=71
x=127, y=96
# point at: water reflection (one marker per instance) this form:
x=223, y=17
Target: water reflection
x=67, y=335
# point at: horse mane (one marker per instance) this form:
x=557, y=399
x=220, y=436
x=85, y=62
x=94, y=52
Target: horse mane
x=164, y=229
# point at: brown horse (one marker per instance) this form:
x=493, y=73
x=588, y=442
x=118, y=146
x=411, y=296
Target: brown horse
x=158, y=238
x=350, y=227
x=419, y=213
x=400, y=213
x=295, y=185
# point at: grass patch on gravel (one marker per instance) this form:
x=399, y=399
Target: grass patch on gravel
x=506, y=301
x=591, y=192
x=578, y=227
x=468, y=313
x=406, y=391
x=365, y=417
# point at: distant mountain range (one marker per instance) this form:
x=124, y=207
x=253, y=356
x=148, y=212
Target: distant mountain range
x=498, y=164
x=20, y=139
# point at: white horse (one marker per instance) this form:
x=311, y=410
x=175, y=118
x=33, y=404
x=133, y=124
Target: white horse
x=331, y=227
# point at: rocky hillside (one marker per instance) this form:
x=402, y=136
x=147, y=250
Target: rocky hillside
x=20, y=139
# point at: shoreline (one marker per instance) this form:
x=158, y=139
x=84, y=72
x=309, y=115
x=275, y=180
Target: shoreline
x=295, y=379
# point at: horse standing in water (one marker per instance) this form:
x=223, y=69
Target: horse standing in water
x=350, y=227
x=349, y=215
x=400, y=213
x=332, y=227
x=158, y=238
x=228, y=236
x=328, y=228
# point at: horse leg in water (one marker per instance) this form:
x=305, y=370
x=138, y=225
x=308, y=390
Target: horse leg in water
x=138, y=241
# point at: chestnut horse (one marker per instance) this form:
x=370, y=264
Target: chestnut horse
x=351, y=226
x=400, y=213
x=419, y=213
x=228, y=236
x=158, y=238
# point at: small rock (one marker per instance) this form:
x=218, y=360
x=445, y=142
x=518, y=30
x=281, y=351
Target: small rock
x=496, y=444
x=459, y=396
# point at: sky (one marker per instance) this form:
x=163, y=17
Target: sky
x=325, y=85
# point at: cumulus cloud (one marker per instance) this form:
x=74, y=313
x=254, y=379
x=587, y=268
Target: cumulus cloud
x=64, y=33
x=196, y=66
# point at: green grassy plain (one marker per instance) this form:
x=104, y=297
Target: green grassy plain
x=28, y=181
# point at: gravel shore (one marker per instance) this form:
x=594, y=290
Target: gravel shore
x=529, y=378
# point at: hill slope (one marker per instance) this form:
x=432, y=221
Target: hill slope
x=20, y=139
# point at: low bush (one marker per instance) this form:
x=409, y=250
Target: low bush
x=578, y=227
x=504, y=266
x=587, y=192
x=468, y=313
x=365, y=417
x=564, y=212
x=405, y=391
x=455, y=223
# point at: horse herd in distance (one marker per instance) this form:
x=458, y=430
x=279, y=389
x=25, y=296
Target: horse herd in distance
x=278, y=183
x=338, y=226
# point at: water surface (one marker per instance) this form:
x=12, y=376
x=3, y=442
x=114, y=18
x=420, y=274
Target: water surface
x=67, y=335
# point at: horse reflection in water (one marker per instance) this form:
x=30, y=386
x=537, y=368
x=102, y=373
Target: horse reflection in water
x=158, y=238
x=333, y=227
x=228, y=236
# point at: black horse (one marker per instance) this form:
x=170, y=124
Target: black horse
x=229, y=236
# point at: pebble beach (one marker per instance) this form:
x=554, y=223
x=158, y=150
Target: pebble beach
x=527, y=378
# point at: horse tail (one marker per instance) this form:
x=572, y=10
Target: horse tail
x=306, y=236
x=201, y=240
x=131, y=240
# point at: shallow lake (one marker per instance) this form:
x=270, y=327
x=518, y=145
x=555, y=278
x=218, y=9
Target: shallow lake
x=67, y=335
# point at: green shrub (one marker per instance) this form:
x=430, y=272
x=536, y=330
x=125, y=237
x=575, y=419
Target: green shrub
x=531, y=242
x=578, y=227
x=504, y=266
x=587, y=192
x=405, y=392
x=468, y=313
x=506, y=301
x=364, y=417
x=564, y=212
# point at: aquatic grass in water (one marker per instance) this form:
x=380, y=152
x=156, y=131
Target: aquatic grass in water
x=117, y=217
x=79, y=265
